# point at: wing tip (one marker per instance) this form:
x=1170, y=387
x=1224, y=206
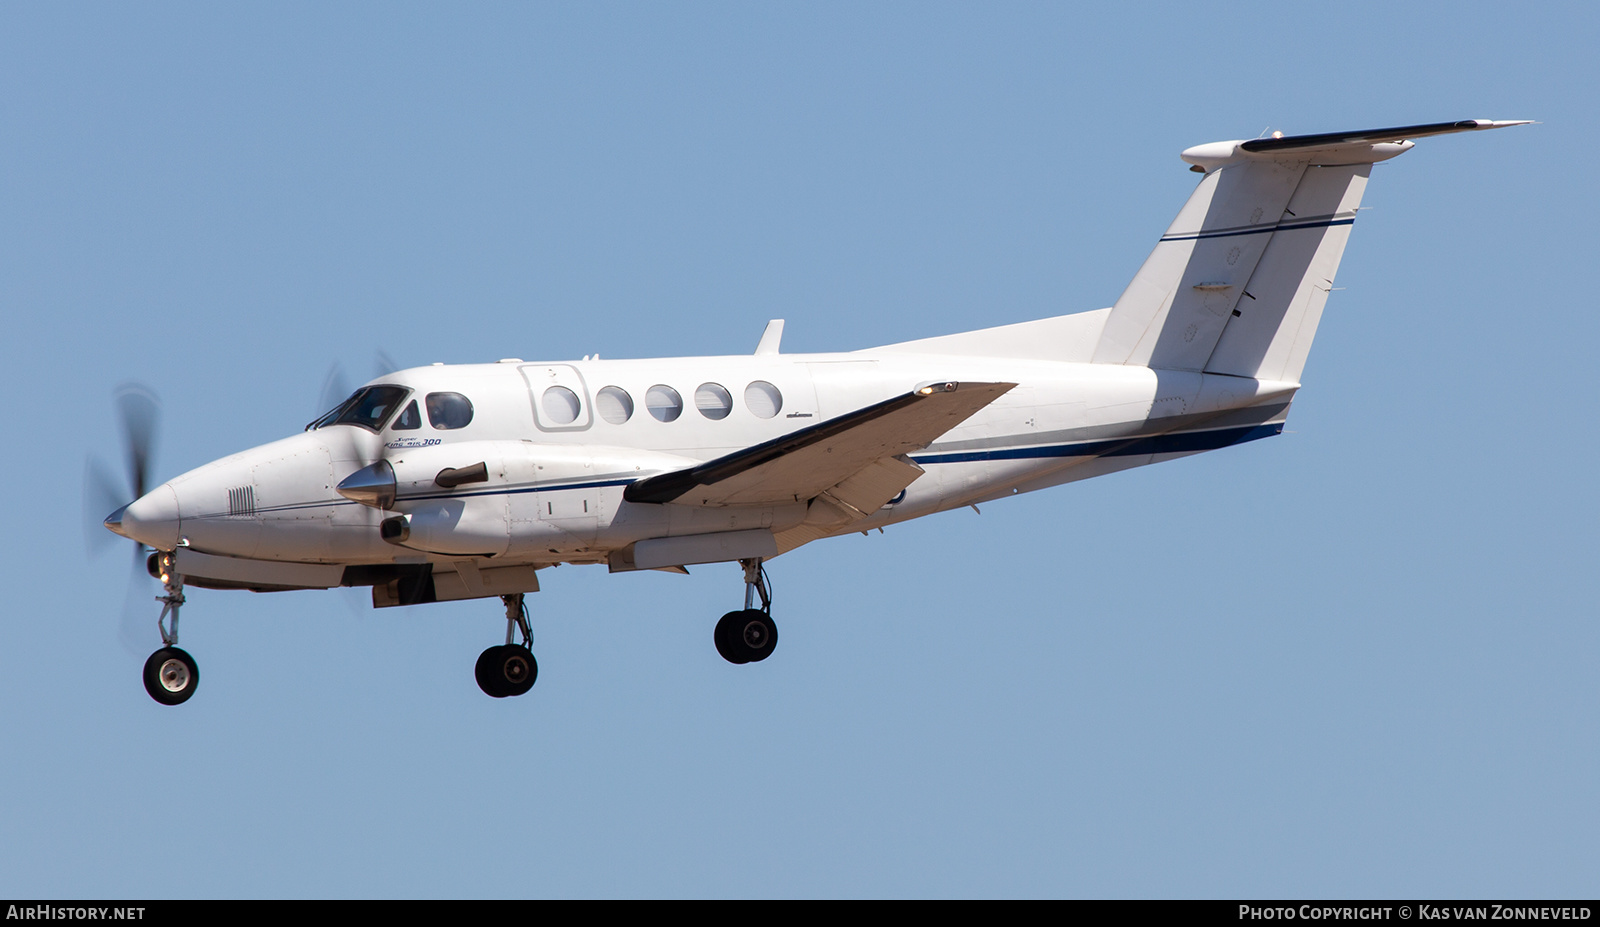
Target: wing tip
x=1496, y=123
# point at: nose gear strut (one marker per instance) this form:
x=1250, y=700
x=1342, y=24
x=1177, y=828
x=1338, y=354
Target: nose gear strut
x=172, y=582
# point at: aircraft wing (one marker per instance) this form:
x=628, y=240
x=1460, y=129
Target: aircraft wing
x=800, y=466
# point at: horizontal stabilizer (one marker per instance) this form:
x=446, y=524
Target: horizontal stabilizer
x=799, y=467
x=1358, y=146
x=1376, y=136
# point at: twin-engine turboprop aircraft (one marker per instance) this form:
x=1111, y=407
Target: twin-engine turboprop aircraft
x=458, y=482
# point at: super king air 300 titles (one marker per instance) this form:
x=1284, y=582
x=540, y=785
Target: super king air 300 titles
x=460, y=482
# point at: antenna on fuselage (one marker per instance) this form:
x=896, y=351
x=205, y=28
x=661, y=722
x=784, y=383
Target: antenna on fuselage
x=771, y=337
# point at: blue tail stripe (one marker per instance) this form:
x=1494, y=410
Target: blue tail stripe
x=1285, y=227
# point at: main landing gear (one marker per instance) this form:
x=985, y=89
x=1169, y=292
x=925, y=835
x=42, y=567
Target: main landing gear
x=510, y=669
x=170, y=675
x=749, y=636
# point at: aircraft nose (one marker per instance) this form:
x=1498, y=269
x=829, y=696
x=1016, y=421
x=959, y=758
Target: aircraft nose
x=152, y=519
x=113, y=521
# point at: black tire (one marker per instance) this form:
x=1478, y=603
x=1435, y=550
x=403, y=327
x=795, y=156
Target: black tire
x=488, y=680
x=171, y=676
x=723, y=637
x=747, y=636
x=506, y=670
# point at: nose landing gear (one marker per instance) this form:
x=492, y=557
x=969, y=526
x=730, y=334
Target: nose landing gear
x=749, y=636
x=170, y=675
x=509, y=669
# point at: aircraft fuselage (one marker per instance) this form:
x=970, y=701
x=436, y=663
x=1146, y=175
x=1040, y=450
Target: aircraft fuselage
x=555, y=475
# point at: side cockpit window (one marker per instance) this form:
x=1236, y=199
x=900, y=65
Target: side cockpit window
x=368, y=407
x=410, y=419
x=449, y=410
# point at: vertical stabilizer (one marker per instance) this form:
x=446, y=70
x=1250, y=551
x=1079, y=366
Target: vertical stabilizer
x=1237, y=284
x=1175, y=309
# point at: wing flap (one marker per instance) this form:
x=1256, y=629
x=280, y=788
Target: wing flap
x=870, y=488
x=799, y=467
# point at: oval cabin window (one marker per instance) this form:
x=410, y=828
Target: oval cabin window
x=713, y=401
x=664, y=403
x=763, y=399
x=614, y=404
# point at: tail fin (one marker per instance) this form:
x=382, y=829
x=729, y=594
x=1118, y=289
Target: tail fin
x=1238, y=283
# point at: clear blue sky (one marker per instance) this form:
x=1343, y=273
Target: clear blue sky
x=1357, y=659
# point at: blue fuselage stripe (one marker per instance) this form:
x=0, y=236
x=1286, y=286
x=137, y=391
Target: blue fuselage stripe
x=1188, y=442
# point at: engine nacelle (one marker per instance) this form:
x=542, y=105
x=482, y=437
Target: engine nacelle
x=478, y=498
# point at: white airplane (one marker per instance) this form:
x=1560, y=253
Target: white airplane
x=463, y=481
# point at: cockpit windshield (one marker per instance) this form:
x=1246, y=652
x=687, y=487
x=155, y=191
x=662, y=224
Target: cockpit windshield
x=368, y=407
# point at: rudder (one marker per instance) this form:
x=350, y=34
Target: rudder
x=1269, y=331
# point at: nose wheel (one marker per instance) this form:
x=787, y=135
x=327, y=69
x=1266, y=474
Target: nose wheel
x=509, y=669
x=170, y=676
x=749, y=635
